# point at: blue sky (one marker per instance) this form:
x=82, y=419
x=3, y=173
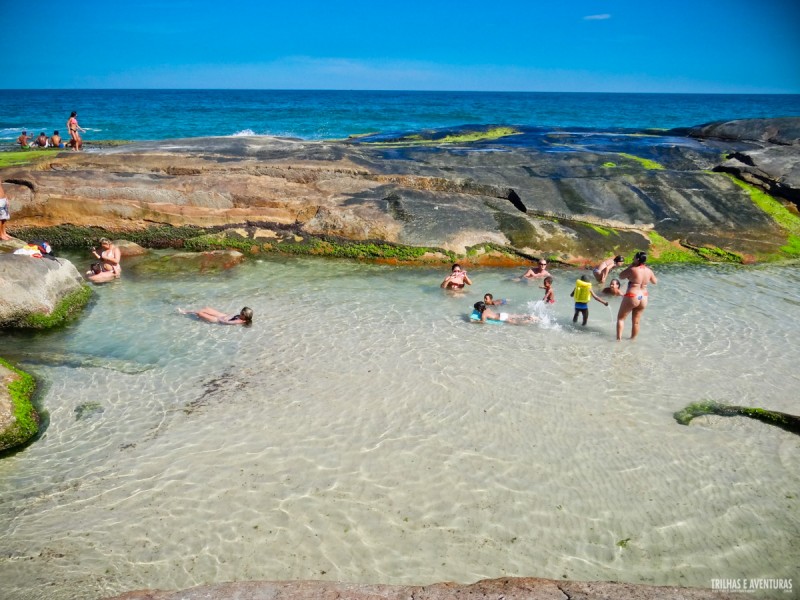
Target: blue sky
x=734, y=46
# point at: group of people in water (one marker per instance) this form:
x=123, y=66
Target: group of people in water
x=55, y=141
x=107, y=268
x=634, y=299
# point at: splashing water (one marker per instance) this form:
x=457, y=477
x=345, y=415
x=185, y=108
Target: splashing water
x=540, y=310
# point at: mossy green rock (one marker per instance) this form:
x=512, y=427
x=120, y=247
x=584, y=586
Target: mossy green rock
x=709, y=407
x=39, y=293
x=19, y=421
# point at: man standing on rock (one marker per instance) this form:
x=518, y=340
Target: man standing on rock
x=4, y=214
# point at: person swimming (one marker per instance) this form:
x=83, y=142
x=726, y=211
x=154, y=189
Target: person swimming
x=481, y=310
x=212, y=315
x=489, y=300
x=613, y=288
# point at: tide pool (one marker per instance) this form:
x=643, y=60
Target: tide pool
x=364, y=430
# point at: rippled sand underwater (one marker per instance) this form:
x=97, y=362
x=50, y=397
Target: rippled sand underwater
x=363, y=430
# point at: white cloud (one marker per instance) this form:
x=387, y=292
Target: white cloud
x=596, y=17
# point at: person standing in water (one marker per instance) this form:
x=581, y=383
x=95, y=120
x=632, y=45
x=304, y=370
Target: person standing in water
x=456, y=280
x=604, y=268
x=583, y=293
x=635, y=298
x=537, y=272
x=549, y=294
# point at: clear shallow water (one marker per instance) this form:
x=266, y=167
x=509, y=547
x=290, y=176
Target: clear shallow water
x=362, y=430
x=320, y=114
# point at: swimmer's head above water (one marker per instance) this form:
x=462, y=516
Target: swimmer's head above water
x=479, y=306
x=246, y=315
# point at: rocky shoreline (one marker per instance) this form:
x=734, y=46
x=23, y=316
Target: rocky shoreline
x=497, y=196
x=720, y=192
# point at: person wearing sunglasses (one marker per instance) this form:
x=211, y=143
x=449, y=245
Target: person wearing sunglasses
x=538, y=272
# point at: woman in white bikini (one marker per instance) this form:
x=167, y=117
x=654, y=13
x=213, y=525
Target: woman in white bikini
x=635, y=298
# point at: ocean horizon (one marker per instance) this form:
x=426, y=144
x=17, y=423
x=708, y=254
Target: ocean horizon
x=149, y=114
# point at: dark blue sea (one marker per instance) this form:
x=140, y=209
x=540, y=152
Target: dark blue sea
x=320, y=114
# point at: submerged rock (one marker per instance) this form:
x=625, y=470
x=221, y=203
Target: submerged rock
x=189, y=262
x=785, y=421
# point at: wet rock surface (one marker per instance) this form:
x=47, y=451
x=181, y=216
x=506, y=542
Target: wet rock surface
x=566, y=194
x=30, y=286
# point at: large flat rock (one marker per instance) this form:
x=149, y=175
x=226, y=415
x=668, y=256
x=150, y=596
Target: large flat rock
x=560, y=193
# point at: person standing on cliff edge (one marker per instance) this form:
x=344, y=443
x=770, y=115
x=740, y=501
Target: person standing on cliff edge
x=4, y=214
x=74, y=129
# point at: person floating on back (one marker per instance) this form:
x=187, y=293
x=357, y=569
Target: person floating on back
x=212, y=315
x=582, y=294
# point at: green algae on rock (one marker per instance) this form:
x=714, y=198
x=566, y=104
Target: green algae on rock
x=16, y=158
x=709, y=407
x=648, y=164
x=16, y=392
x=66, y=310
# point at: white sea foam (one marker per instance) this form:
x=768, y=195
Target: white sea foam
x=243, y=132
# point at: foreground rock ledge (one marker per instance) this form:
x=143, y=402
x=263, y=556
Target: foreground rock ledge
x=519, y=588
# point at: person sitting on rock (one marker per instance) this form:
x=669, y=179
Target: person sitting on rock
x=42, y=141
x=22, y=140
x=55, y=140
x=108, y=268
x=212, y=315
